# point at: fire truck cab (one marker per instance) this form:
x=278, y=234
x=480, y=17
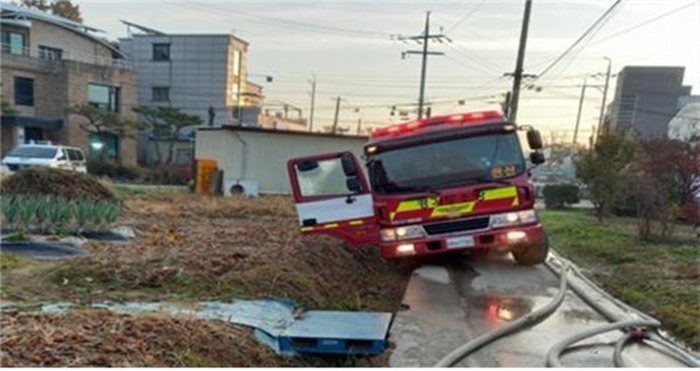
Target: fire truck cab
x=433, y=186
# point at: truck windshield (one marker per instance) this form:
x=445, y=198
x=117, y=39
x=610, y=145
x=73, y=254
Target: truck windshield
x=33, y=152
x=447, y=164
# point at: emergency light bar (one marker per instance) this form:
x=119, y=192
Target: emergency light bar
x=454, y=120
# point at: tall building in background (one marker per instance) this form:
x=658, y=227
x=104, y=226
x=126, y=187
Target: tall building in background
x=646, y=99
x=50, y=63
x=201, y=74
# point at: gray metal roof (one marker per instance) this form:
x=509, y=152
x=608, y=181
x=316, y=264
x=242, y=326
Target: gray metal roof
x=21, y=12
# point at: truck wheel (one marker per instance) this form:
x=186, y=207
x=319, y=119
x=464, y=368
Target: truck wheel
x=533, y=254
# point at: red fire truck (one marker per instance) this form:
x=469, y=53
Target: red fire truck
x=433, y=186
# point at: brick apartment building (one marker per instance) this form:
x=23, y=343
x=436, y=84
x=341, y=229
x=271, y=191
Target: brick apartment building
x=49, y=64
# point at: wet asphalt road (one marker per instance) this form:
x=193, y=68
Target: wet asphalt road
x=454, y=301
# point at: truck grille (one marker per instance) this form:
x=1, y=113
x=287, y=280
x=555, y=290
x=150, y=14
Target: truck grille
x=457, y=226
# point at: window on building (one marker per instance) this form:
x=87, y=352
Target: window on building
x=105, y=145
x=50, y=54
x=24, y=91
x=13, y=42
x=160, y=94
x=236, y=62
x=104, y=96
x=161, y=52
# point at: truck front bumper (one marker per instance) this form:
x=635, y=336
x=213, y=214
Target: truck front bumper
x=502, y=239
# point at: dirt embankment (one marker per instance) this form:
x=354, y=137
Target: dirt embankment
x=191, y=249
x=42, y=181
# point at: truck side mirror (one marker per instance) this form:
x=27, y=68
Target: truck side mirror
x=537, y=158
x=534, y=139
x=348, y=165
x=353, y=184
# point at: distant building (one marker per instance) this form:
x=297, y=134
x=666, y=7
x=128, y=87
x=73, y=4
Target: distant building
x=201, y=74
x=50, y=63
x=646, y=99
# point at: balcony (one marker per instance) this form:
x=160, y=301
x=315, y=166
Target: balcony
x=47, y=57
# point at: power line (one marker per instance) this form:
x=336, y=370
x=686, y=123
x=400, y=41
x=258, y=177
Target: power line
x=581, y=38
x=624, y=31
x=288, y=23
x=485, y=67
x=642, y=24
x=467, y=16
x=471, y=66
x=485, y=61
x=588, y=40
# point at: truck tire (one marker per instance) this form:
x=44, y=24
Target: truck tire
x=533, y=254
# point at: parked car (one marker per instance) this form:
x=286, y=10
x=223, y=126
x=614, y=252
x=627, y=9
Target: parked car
x=45, y=155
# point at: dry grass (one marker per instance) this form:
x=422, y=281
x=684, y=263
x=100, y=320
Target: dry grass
x=98, y=338
x=103, y=339
x=190, y=249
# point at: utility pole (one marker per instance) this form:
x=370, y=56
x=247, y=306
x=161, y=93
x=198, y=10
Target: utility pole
x=337, y=112
x=359, y=125
x=424, y=39
x=605, y=96
x=578, y=115
x=313, y=101
x=505, y=105
x=518, y=74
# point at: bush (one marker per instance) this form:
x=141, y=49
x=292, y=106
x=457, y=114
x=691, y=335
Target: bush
x=557, y=196
x=112, y=170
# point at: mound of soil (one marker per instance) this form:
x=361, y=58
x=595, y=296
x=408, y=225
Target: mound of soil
x=55, y=182
x=98, y=338
x=88, y=338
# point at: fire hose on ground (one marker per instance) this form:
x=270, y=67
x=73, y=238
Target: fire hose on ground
x=635, y=329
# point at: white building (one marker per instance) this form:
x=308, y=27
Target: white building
x=256, y=158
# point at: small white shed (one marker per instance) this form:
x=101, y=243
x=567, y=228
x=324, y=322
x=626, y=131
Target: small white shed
x=256, y=159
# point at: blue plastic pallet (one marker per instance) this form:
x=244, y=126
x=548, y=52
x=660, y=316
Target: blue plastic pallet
x=360, y=333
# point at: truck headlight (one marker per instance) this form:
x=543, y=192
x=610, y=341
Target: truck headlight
x=514, y=218
x=402, y=233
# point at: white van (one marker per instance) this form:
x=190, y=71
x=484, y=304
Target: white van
x=44, y=155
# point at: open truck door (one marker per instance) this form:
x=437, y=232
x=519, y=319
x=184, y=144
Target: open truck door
x=332, y=196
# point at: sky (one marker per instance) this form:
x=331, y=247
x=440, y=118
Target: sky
x=353, y=49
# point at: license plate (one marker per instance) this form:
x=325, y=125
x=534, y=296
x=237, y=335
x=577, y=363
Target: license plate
x=459, y=242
